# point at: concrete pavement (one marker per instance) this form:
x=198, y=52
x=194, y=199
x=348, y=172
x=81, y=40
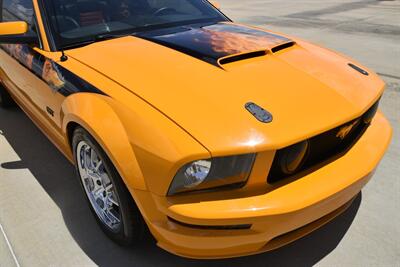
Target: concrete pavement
x=47, y=222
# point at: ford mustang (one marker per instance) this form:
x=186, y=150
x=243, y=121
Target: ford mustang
x=222, y=139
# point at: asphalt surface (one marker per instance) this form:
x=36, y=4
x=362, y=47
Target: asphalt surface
x=45, y=221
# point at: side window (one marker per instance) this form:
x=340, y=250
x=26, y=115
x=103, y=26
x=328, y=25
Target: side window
x=14, y=10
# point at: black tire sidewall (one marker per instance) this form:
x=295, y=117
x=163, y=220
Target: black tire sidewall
x=132, y=224
x=5, y=99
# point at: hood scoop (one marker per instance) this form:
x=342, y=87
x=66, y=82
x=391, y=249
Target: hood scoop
x=240, y=57
x=253, y=54
x=281, y=47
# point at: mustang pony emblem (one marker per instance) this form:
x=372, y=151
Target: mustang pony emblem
x=258, y=112
x=345, y=130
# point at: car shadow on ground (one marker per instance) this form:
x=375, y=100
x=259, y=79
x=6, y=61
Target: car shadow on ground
x=57, y=176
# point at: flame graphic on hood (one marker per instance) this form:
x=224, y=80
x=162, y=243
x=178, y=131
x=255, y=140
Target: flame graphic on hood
x=234, y=39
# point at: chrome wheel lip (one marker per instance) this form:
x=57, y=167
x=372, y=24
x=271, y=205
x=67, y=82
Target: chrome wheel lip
x=98, y=186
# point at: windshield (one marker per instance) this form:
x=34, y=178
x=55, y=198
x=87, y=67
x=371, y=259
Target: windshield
x=76, y=22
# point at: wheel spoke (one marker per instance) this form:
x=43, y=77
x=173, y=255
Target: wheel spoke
x=93, y=159
x=87, y=159
x=98, y=165
x=99, y=191
x=105, y=179
x=108, y=188
x=110, y=216
x=88, y=184
x=112, y=200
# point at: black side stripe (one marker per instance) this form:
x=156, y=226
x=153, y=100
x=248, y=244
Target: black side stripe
x=57, y=77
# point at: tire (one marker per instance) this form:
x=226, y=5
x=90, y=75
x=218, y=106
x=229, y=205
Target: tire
x=5, y=99
x=132, y=226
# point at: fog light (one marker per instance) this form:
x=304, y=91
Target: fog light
x=292, y=158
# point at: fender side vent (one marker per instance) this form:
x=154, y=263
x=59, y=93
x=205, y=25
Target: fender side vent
x=282, y=47
x=240, y=57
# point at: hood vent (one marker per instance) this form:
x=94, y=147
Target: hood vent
x=282, y=47
x=360, y=70
x=261, y=53
x=235, y=58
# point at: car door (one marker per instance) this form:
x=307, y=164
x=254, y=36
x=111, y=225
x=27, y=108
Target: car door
x=31, y=77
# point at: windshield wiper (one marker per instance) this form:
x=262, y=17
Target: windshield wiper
x=108, y=36
x=96, y=38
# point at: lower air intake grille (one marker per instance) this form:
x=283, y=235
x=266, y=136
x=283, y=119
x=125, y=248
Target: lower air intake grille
x=213, y=227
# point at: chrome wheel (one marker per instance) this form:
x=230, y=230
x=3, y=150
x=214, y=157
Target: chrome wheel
x=98, y=186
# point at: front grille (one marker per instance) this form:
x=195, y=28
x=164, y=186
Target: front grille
x=325, y=147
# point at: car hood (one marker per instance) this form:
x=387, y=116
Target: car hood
x=307, y=89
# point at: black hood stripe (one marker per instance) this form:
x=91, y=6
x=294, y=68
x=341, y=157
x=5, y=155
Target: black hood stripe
x=213, y=42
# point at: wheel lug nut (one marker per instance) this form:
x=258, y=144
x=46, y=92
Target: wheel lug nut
x=98, y=182
x=104, y=194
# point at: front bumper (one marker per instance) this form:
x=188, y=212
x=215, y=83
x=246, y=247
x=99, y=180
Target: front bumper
x=277, y=217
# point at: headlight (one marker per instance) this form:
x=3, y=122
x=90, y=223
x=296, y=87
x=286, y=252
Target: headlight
x=212, y=173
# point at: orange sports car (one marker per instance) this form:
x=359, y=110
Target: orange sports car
x=223, y=139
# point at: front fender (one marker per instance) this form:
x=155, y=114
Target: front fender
x=94, y=114
x=145, y=146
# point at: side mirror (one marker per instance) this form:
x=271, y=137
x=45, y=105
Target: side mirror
x=16, y=32
x=215, y=4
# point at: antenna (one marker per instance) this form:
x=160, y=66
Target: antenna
x=63, y=57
